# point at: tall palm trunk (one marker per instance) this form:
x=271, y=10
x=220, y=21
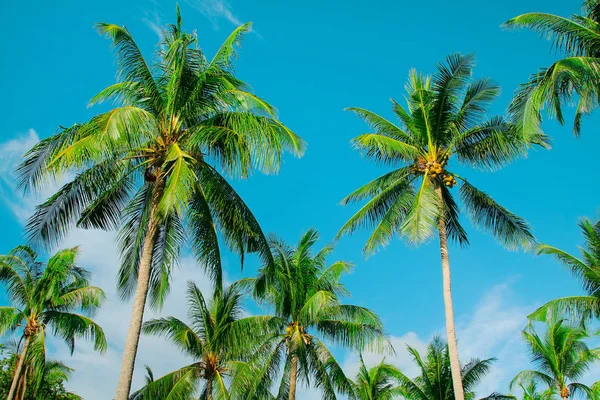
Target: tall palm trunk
x=18, y=369
x=293, y=377
x=449, y=309
x=139, y=300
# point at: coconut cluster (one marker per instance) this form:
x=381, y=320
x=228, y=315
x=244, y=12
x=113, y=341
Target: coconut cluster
x=449, y=180
x=434, y=168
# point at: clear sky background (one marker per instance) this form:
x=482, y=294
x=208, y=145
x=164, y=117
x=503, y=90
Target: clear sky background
x=311, y=59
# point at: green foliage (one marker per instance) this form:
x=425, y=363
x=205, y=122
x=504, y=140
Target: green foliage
x=216, y=338
x=435, y=379
x=444, y=121
x=586, y=269
x=573, y=79
x=52, y=386
x=561, y=358
x=378, y=383
x=305, y=295
x=56, y=298
x=180, y=121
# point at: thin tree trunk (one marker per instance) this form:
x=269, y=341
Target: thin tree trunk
x=209, y=389
x=139, y=301
x=22, y=385
x=18, y=369
x=450, y=330
x=293, y=377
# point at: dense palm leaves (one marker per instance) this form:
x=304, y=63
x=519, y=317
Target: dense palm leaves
x=435, y=379
x=586, y=270
x=53, y=298
x=216, y=338
x=49, y=382
x=306, y=296
x=530, y=388
x=150, y=165
x=445, y=121
x=377, y=383
x=561, y=357
x=572, y=79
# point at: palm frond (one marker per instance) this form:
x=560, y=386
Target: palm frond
x=509, y=229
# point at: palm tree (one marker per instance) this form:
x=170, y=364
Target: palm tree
x=46, y=298
x=436, y=381
x=150, y=166
x=215, y=338
x=47, y=383
x=574, y=78
x=306, y=297
x=445, y=120
x=561, y=358
x=529, y=387
x=377, y=383
x=586, y=269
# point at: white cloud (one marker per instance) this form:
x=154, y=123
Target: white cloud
x=11, y=153
x=493, y=329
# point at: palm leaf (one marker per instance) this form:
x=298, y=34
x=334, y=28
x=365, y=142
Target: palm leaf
x=509, y=229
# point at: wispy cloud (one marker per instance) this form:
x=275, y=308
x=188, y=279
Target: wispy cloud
x=152, y=18
x=493, y=329
x=216, y=11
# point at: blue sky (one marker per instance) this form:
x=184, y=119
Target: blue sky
x=312, y=59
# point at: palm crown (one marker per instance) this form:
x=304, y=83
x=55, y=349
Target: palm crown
x=435, y=379
x=378, y=383
x=445, y=121
x=54, y=298
x=561, y=358
x=572, y=79
x=151, y=158
x=306, y=296
x=216, y=338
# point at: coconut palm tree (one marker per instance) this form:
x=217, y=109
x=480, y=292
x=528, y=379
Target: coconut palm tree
x=216, y=337
x=153, y=166
x=561, y=357
x=572, y=79
x=47, y=384
x=306, y=296
x=378, y=383
x=53, y=298
x=529, y=387
x=436, y=381
x=444, y=122
x=586, y=270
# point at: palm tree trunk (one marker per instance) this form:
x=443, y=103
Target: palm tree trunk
x=18, y=369
x=139, y=300
x=209, y=389
x=293, y=377
x=22, y=385
x=450, y=330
